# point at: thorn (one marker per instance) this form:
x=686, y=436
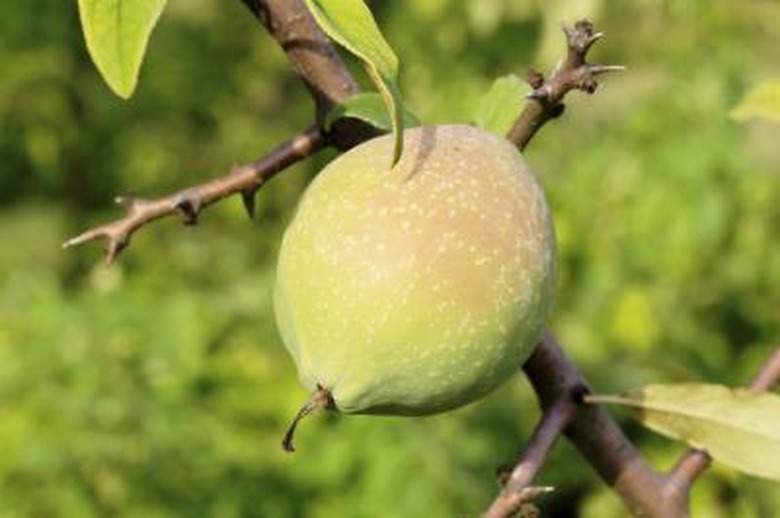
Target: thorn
x=530, y=493
x=535, y=78
x=190, y=210
x=593, y=38
x=539, y=95
x=567, y=30
x=578, y=394
x=248, y=197
x=114, y=246
x=503, y=473
x=588, y=84
x=585, y=26
x=128, y=202
x=603, y=69
x=581, y=36
x=82, y=238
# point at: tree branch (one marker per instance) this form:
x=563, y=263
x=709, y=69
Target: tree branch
x=244, y=179
x=517, y=490
x=558, y=384
x=316, y=61
x=596, y=435
x=309, y=50
x=694, y=462
x=574, y=73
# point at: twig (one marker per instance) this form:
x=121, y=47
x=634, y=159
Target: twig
x=329, y=81
x=596, y=435
x=574, y=73
x=694, y=462
x=309, y=50
x=244, y=179
x=517, y=490
x=560, y=387
x=769, y=375
x=555, y=379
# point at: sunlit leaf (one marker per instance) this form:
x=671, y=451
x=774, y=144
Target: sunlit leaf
x=117, y=33
x=762, y=102
x=500, y=106
x=351, y=24
x=368, y=107
x=737, y=427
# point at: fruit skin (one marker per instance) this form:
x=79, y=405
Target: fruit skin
x=419, y=289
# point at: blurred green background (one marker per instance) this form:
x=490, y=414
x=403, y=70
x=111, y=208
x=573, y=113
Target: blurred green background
x=159, y=387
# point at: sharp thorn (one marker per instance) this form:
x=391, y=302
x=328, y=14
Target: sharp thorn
x=535, y=79
x=248, y=198
x=190, y=211
x=532, y=492
x=593, y=38
x=114, y=247
x=602, y=69
x=538, y=95
x=584, y=25
x=125, y=201
x=81, y=238
x=72, y=242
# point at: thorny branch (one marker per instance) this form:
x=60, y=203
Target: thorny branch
x=557, y=382
x=310, y=51
x=574, y=73
x=316, y=61
x=560, y=387
x=244, y=179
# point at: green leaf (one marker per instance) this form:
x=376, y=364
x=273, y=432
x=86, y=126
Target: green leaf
x=368, y=107
x=762, y=102
x=501, y=105
x=737, y=427
x=351, y=25
x=117, y=32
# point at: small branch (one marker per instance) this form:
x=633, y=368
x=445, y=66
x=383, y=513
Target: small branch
x=517, y=490
x=329, y=81
x=596, y=435
x=694, y=462
x=190, y=202
x=575, y=73
x=769, y=375
x=315, y=59
x=558, y=384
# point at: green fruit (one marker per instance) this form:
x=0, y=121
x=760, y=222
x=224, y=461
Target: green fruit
x=418, y=289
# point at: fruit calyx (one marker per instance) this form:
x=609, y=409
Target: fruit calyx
x=321, y=399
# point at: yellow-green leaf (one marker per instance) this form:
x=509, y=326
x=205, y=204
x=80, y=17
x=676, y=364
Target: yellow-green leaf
x=351, y=24
x=762, y=102
x=368, y=107
x=117, y=33
x=737, y=427
x=498, y=109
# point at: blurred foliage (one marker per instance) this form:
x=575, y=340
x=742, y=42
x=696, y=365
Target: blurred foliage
x=159, y=387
